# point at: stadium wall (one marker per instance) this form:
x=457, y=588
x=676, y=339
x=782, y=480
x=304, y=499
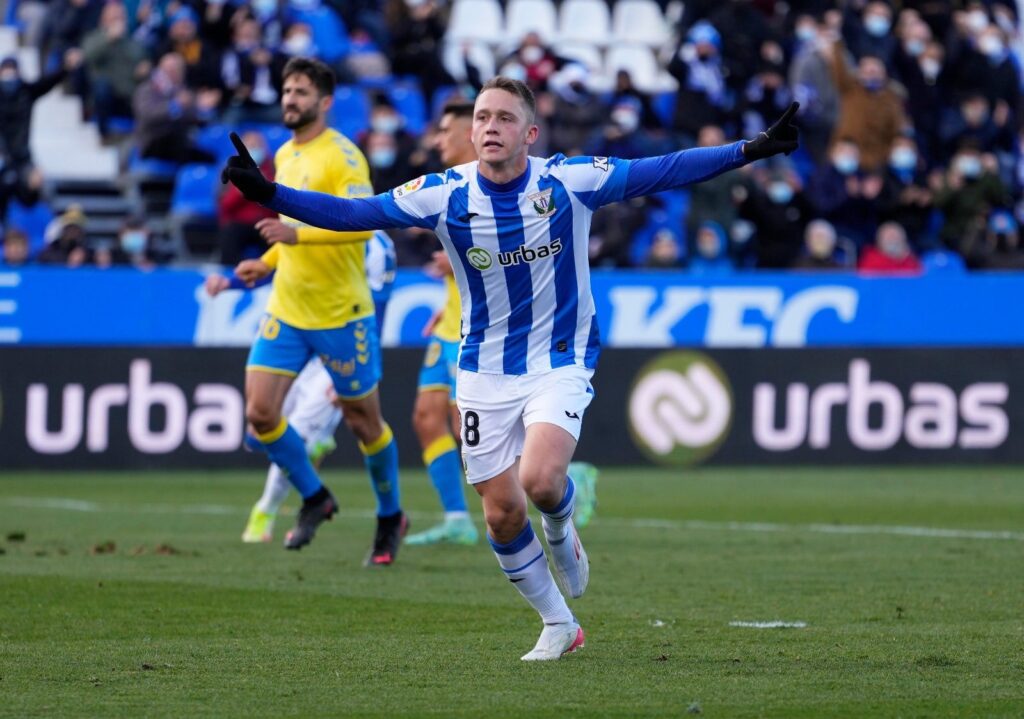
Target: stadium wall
x=137, y=407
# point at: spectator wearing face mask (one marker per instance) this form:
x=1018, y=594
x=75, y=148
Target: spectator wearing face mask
x=711, y=251
x=819, y=250
x=813, y=85
x=237, y=217
x=251, y=76
x=986, y=66
x=868, y=33
x=844, y=194
x=703, y=97
x=919, y=68
x=779, y=211
x=906, y=198
x=997, y=244
x=621, y=135
x=870, y=110
x=133, y=248
x=968, y=188
x=388, y=168
x=891, y=253
x=627, y=93
x=538, y=61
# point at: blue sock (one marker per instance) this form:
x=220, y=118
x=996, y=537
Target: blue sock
x=252, y=443
x=288, y=451
x=382, y=463
x=442, y=461
x=556, y=520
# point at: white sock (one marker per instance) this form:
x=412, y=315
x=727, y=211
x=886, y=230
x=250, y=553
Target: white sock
x=524, y=564
x=556, y=521
x=274, y=491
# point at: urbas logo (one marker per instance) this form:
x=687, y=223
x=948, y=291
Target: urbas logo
x=680, y=408
x=525, y=254
x=482, y=260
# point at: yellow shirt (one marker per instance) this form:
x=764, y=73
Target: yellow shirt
x=449, y=327
x=321, y=281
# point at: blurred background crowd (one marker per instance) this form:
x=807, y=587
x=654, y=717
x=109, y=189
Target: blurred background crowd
x=910, y=114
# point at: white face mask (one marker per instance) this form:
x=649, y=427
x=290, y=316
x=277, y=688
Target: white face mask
x=531, y=54
x=977, y=20
x=626, y=119
x=298, y=44
x=930, y=68
x=990, y=46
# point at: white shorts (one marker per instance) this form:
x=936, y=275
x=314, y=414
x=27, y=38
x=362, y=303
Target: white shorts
x=496, y=409
x=308, y=405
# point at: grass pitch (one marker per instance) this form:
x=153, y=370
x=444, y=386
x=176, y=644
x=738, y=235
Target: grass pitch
x=131, y=595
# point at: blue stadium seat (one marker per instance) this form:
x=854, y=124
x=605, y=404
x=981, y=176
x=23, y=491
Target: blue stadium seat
x=441, y=97
x=276, y=136
x=409, y=102
x=32, y=220
x=214, y=139
x=329, y=33
x=351, y=112
x=150, y=166
x=195, y=191
x=664, y=104
x=942, y=261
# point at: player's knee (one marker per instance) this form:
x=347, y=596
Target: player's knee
x=505, y=520
x=262, y=416
x=544, y=485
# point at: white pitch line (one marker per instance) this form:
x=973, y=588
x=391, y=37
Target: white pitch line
x=775, y=624
x=672, y=524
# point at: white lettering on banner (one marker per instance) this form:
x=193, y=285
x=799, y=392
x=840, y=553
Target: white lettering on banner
x=39, y=437
x=215, y=425
x=930, y=421
x=403, y=302
x=220, y=324
x=732, y=314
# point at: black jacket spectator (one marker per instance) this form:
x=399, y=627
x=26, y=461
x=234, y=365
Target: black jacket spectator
x=16, y=100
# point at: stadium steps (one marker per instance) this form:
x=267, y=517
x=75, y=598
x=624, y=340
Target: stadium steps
x=65, y=147
x=8, y=40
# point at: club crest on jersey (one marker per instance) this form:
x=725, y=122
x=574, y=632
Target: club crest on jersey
x=410, y=187
x=543, y=205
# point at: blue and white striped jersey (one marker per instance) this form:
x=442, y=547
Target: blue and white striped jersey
x=520, y=257
x=519, y=250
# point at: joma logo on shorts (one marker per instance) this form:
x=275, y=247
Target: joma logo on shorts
x=525, y=254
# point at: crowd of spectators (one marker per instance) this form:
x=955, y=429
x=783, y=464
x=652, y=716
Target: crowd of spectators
x=911, y=120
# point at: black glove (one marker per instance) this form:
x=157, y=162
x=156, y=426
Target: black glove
x=243, y=172
x=780, y=137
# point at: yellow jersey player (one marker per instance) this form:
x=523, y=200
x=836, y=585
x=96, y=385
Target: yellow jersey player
x=320, y=305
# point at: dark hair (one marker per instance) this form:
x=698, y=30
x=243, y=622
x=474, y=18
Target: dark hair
x=319, y=73
x=458, y=108
x=514, y=87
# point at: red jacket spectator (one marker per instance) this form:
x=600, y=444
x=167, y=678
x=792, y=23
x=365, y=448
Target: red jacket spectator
x=891, y=253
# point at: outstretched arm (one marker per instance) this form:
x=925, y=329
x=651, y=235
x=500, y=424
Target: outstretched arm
x=313, y=208
x=678, y=169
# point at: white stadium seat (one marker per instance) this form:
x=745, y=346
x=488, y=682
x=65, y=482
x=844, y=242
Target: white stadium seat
x=642, y=66
x=524, y=16
x=585, y=21
x=476, y=20
x=584, y=53
x=480, y=56
x=639, y=21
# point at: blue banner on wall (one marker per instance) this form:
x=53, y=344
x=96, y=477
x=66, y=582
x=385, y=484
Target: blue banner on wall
x=43, y=306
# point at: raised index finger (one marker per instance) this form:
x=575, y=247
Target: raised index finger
x=241, y=149
x=788, y=114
